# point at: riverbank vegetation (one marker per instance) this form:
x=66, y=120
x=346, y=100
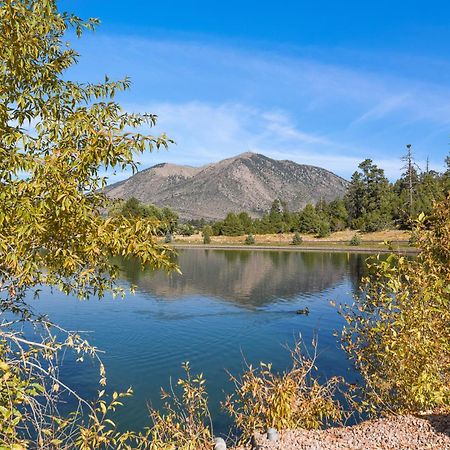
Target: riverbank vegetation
x=55, y=138
x=398, y=332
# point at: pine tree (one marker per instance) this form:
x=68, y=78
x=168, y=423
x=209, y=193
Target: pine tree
x=232, y=226
x=308, y=220
x=370, y=198
x=276, y=218
x=246, y=222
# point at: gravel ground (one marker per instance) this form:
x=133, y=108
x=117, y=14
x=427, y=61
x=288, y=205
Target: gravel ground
x=406, y=433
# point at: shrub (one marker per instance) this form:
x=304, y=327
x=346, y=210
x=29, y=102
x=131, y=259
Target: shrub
x=398, y=332
x=186, y=229
x=412, y=241
x=207, y=231
x=250, y=239
x=297, y=239
x=355, y=240
x=292, y=399
x=185, y=422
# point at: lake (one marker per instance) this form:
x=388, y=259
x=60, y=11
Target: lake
x=226, y=305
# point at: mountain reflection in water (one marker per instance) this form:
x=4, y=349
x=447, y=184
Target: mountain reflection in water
x=246, y=278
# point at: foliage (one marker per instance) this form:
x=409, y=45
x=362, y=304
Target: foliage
x=289, y=400
x=398, y=332
x=186, y=229
x=246, y=222
x=207, y=232
x=186, y=422
x=355, y=240
x=370, y=204
x=133, y=208
x=369, y=198
x=297, y=239
x=232, y=226
x=56, y=136
x=308, y=220
x=324, y=229
x=249, y=240
x=337, y=214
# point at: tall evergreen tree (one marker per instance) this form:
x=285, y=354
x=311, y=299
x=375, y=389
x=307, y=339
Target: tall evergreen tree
x=246, y=222
x=308, y=220
x=370, y=198
x=232, y=226
x=276, y=217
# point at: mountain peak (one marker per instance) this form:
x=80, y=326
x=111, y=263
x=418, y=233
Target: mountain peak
x=246, y=182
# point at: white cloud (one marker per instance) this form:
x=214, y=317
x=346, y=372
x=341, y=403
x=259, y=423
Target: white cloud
x=217, y=101
x=207, y=133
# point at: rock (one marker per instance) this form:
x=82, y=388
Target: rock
x=272, y=434
x=219, y=444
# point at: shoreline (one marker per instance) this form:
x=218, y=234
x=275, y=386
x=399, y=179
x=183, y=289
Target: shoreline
x=299, y=248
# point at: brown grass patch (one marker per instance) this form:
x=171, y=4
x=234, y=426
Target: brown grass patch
x=286, y=238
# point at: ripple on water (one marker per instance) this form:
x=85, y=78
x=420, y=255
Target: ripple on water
x=227, y=307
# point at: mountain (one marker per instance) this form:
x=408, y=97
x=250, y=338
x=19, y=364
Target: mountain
x=247, y=182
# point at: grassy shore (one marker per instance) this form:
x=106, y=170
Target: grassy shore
x=338, y=241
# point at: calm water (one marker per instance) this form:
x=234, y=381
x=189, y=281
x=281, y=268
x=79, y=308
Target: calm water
x=226, y=305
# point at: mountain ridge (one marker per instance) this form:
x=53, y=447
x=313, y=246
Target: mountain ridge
x=245, y=182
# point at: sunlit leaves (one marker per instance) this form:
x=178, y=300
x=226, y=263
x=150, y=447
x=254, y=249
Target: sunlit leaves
x=398, y=331
x=56, y=135
x=293, y=399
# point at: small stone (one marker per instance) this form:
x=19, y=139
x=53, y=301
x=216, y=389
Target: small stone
x=219, y=444
x=272, y=434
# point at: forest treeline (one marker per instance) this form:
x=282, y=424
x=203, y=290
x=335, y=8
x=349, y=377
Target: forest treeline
x=371, y=203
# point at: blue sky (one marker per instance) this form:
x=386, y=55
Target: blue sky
x=326, y=83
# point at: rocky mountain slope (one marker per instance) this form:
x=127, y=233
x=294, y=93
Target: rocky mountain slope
x=247, y=182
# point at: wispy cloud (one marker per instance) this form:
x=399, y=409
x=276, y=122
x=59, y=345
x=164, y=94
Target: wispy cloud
x=217, y=100
x=206, y=132
x=385, y=107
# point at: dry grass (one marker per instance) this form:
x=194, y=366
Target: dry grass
x=286, y=238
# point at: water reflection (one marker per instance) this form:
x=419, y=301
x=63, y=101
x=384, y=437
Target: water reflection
x=247, y=278
x=225, y=305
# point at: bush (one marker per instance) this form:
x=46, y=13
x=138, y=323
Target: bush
x=292, y=399
x=412, y=241
x=186, y=229
x=207, y=232
x=185, y=422
x=355, y=240
x=250, y=239
x=323, y=229
x=297, y=239
x=398, y=330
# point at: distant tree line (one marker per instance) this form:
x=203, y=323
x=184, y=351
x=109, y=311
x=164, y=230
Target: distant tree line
x=371, y=203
